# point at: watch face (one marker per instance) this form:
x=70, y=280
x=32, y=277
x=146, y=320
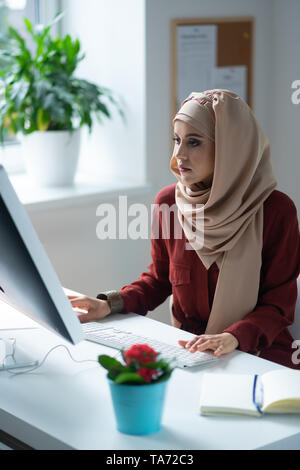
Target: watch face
x=102, y=297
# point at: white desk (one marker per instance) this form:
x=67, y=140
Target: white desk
x=64, y=405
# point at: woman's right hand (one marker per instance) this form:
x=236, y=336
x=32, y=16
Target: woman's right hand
x=96, y=309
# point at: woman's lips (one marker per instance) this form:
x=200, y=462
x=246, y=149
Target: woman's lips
x=182, y=169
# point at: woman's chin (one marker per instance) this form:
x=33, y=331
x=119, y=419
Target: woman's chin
x=192, y=183
x=187, y=179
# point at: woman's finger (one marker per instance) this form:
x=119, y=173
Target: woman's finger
x=80, y=302
x=200, y=346
x=187, y=344
x=192, y=342
x=202, y=342
x=209, y=344
x=220, y=350
x=203, y=339
x=85, y=317
x=197, y=343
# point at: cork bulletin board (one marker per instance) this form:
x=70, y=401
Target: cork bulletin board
x=211, y=53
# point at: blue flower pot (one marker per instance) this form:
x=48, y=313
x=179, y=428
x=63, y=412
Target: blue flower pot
x=138, y=408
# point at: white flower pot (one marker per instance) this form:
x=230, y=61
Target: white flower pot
x=51, y=157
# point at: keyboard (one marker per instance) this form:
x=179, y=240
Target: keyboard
x=121, y=339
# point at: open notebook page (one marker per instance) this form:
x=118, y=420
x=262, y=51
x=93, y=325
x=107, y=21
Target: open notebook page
x=227, y=393
x=281, y=386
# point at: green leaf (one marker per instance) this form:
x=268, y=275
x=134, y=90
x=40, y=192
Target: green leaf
x=41, y=88
x=156, y=365
x=76, y=46
x=101, y=107
x=49, y=101
x=28, y=25
x=18, y=92
x=40, y=47
x=43, y=120
x=129, y=377
x=113, y=373
x=14, y=34
x=5, y=57
x=57, y=18
x=108, y=362
x=63, y=95
x=163, y=377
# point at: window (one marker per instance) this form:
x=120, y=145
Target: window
x=12, y=13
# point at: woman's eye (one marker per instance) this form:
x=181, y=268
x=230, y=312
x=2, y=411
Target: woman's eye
x=193, y=143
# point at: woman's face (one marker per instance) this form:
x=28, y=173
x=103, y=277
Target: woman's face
x=195, y=156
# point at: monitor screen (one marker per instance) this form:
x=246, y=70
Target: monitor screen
x=28, y=281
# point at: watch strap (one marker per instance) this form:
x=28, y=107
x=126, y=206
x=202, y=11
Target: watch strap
x=114, y=299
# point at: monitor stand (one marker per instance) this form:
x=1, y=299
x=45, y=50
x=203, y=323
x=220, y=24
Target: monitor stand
x=12, y=357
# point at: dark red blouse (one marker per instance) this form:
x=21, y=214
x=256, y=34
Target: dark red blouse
x=181, y=272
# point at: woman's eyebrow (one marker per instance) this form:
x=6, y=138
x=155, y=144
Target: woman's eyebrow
x=191, y=135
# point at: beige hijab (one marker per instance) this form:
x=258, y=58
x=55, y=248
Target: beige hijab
x=232, y=208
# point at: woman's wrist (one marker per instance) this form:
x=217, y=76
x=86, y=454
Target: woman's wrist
x=107, y=307
x=113, y=299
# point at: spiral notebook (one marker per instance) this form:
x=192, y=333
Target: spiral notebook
x=277, y=391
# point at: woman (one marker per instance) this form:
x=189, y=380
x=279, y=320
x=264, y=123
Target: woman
x=233, y=274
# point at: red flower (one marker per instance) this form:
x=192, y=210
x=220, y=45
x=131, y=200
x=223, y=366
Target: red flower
x=147, y=374
x=141, y=353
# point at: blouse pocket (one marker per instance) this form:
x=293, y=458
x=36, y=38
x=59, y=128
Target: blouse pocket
x=179, y=275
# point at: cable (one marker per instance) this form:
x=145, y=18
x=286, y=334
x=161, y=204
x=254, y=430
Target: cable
x=44, y=359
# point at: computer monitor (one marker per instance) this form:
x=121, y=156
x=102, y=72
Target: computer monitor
x=28, y=281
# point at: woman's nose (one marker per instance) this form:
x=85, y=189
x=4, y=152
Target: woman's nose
x=179, y=152
x=180, y=156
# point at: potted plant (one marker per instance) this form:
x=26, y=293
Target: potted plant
x=138, y=388
x=44, y=101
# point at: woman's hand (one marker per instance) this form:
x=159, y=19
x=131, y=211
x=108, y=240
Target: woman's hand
x=96, y=309
x=223, y=343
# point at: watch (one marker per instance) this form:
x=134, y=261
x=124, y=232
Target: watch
x=114, y=299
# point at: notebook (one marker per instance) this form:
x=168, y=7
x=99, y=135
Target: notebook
x=277, y=391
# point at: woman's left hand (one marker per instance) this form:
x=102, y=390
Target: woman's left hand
x=222, y=343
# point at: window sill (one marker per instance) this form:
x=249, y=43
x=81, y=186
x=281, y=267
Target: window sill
x=84, y=191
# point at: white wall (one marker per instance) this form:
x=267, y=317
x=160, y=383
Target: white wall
x=112, y=36
x=115, y=34
x=283, y=115
x=83, y=262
